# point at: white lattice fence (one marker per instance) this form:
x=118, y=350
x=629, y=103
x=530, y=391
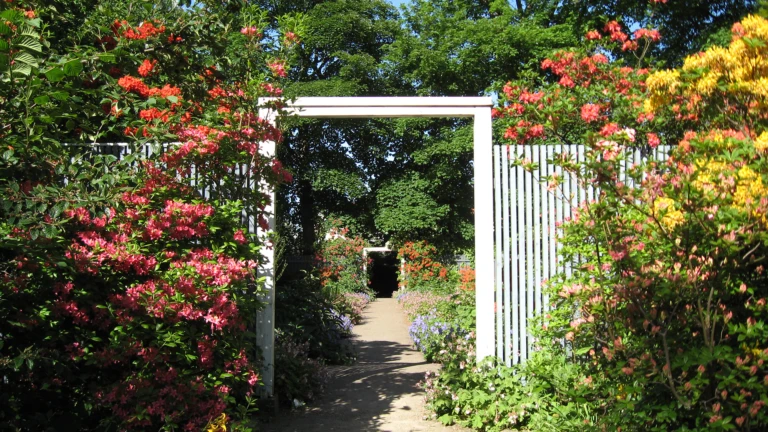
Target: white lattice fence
x=526, y=217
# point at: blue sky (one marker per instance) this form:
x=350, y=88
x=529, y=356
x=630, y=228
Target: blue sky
x=398, y=2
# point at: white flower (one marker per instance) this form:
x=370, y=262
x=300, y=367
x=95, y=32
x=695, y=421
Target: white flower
x=630, y=134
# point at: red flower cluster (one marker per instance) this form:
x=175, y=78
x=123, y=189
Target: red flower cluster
x=278, y=68
x=614, y=31
x=134, y=85
x=590, y=112
x=144, y=31
x=146, y=67
x=153, y=113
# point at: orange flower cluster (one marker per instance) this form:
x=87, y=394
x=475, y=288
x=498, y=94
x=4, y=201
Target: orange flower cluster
x=467, y=279
x=144, y=31
x=153, y=113
x=419, y=264
x=136, y=85
x=147, y=67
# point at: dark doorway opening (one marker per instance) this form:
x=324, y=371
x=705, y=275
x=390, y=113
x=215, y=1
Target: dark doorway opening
x=384, y=268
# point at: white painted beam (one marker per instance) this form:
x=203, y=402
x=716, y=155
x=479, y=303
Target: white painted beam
x=395, y=101
x=265, y=319
x=484, y=262
x=381, y=112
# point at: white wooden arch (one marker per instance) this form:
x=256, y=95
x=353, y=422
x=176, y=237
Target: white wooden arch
x=479, y=108
x=368, y=250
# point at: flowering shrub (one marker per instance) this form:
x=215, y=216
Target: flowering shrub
x=420, y=270
x=467, y=278
x=661, y=324
x=663, y=315
x=353, y=305
x=341, y=263
x=415, y=303
x=127, y=297
x=430, y=333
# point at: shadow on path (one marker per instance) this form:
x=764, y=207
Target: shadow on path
x=378, y=393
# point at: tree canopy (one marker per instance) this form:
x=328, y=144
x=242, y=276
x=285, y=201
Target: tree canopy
x=409, y=178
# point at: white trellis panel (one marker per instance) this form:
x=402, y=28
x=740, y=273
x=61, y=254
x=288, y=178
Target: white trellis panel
x=527, y=216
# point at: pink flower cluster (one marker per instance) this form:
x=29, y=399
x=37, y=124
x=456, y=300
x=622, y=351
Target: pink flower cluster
x=251, y=31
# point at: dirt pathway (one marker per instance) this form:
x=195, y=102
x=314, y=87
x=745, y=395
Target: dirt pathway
x=379, y=392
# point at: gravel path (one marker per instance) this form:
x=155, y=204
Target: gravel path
x=379, y=392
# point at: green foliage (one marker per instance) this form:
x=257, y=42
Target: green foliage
x=298, y=376
x=406, y=207
x=305, y=315
x=126, y=297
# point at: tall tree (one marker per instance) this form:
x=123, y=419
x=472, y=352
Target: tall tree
x=336, y=163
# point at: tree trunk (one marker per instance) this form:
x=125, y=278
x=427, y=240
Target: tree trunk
x=307, y=213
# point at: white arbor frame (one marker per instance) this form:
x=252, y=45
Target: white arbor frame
x=479, y=108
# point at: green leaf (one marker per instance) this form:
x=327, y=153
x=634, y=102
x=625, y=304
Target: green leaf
x=21, y=69
x=172, y=99
x=11, y=15
x=4, y=45
x=25, y=58
x=17, y=362
x=108, y=58
x=41, y=100
x=55, y=74
x=29, y=43
x=60, y=95
x=73, y=68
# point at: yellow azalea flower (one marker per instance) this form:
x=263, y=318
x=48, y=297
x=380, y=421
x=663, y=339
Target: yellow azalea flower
x=742, y=67
x=708, y=83
x=219, y=424
x=760, y=87
x=671, y=217
x=664, y=80
x=661, y=85
x=761, y=143
x=755, y=27
x=749, y=188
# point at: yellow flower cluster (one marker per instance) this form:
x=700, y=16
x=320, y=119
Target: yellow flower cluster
x=661, y=85
x=219, y=424
x=670, y=216
x=740, y=68
x=761, y=143
x=749, y=189
x=707, y=174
